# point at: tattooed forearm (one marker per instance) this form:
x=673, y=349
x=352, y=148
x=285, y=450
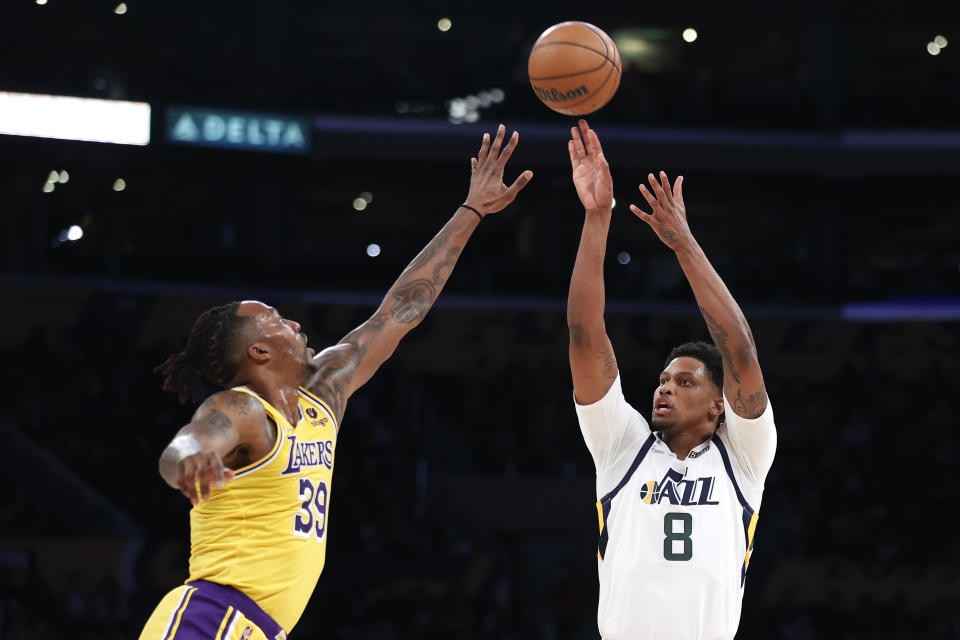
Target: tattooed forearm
x=413, y=300
x=720, y=338
x=442, y=270
x=609, y=362
x=670, y=237
x=429, y=251
x=753, y=405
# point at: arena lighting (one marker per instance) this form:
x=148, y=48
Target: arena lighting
x=121, y=9
x=69, y=118
x=623, y=257
x=444, y=24
x=359, y=204
x=689, y=35
x=373, y=250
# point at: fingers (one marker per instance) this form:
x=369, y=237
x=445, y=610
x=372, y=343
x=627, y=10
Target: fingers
x=187, y=480
x=578, y=143
x=593, y=142
x=665, y=185
x=656, y=187
x=585, y=131
x=574, y=158
x=497, y=141
x=640, y=213
x=520, y=183
x=201, y=471
x=473, y=164
x=649, y=197
x=508, y=150
x=678, y=190
x=484, y=148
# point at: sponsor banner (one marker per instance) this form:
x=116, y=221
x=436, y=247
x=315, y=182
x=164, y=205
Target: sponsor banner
x=237, y=130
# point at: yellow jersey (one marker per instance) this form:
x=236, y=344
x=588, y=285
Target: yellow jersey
x=265, y=531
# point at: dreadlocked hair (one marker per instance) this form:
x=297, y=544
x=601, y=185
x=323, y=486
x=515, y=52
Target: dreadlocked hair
x=209, y=361
x=706, y=353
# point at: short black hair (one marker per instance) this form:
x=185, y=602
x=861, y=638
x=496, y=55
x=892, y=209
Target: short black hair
x=706, y=353
x=210, y=359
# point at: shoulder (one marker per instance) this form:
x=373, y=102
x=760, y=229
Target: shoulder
x=233, y=405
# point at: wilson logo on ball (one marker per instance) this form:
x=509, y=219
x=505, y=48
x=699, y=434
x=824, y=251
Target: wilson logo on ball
x=552, y=95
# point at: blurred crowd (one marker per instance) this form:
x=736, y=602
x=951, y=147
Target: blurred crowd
x=856, y=537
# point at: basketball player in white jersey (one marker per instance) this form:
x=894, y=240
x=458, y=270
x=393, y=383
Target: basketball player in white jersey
x=678, y=498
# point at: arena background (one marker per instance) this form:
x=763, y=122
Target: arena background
x=819, y=142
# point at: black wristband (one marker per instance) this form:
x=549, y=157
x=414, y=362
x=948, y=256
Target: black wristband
x=466, y=206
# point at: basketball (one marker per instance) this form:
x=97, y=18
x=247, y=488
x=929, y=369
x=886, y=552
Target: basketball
x=574, y=68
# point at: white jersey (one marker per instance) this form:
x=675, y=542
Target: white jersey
x=675, y=535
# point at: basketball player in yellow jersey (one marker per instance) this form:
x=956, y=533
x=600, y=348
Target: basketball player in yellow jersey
x=256, y=459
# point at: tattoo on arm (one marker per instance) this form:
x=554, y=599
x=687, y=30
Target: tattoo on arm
x=609, y=362
x=720, y=338
x=215, y=422
x=432, y=248
x=413, y=300
x=240, y=405
x=753, y=405
x=439, y=277
x=670, y=237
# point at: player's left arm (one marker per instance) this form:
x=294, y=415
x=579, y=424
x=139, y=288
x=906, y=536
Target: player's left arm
x=742, y=378
x=347, y=365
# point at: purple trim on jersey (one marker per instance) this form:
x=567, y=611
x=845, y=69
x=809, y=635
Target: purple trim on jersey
x=212, y=602
x=605, y=501
x=320, y=403
x=748, y=511
x=268, y=459
x=726, y=463
x=633, y=467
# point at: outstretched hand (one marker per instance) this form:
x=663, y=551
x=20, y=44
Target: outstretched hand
x=591, y=173
x=488, y=193
x=669, y=217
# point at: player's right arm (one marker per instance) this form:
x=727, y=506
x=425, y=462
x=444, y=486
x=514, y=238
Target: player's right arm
x=228, y=425
x=592, y=362
x=346, y=366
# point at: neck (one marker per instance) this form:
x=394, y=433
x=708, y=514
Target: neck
x=281, y=395
x=683, y=442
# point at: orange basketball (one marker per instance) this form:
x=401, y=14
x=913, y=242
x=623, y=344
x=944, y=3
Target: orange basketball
x=574, y=68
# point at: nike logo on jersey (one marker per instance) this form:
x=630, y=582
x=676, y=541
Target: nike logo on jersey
x=673, y=489
x=308, y=454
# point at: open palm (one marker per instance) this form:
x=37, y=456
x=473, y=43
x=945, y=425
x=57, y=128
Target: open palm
x=591, y=173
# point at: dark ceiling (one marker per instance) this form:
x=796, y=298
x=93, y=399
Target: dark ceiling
x=762, y=113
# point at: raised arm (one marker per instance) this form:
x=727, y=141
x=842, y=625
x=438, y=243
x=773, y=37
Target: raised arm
x=592, y=362
x=346, y=366
x=742, y=378
x=225, y=431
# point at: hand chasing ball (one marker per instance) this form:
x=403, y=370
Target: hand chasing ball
x=574, y=68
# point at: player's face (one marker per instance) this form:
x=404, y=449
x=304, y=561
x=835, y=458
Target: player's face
x=283, y=335
x=684, y=396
